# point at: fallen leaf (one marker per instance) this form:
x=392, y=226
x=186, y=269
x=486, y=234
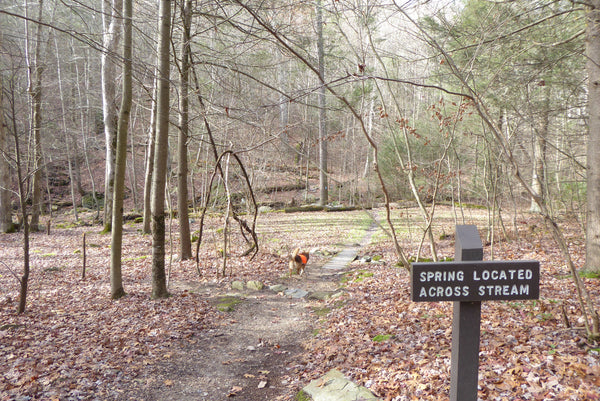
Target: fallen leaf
x=234, y=391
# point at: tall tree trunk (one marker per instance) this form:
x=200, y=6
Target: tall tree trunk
x=324, y=190
x=538, y=180
x=116, y=280
x=593, y=147
x=111, y=35
x=150, y=163
x=35, y=73
x=182, y=148
x=284, y=112
x=159, y=284
x=6, y=224
x=84, y=113
x=24, y=280
x=67, y=139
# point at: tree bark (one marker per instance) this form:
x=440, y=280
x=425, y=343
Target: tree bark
x=36, y=71
x=67, y=139
x=116, y=280
x=111, y=36
x=6, y=224
x=538, y=180
x=150, y=163
x=324, y=190
x=24, y=280
x=593, y=146
x=159, y=285
x=185, y=242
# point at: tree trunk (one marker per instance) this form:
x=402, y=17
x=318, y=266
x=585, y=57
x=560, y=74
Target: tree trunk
x=182, y=148
x=36, y=71
x=24, y=280
x=150, y=163
x=593, y=147
x=6, y=224
x=538, y=180
x=284, y=112
x=116, y=280
x=159, y=285
x=324, y=190
x=67, y=138
x=111, y=36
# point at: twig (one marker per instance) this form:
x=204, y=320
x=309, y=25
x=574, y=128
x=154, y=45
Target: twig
x=84, y=256
x=14, y=274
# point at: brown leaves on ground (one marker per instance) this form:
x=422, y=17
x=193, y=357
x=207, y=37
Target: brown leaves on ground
x=76, y=343
x=401, y=350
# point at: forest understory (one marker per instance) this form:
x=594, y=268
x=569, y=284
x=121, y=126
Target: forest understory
x=75, y=343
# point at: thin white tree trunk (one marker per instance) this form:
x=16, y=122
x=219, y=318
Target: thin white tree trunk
x=150, y=162
x=65, y=131
x=324, y=190
x=111, y=37
x=84, y=119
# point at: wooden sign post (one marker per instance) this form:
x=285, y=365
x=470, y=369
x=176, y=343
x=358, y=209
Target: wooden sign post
x=467, y=281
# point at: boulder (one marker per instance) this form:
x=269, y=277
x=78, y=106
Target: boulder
x=237, y=285
x=254, y=285
x=334, y=386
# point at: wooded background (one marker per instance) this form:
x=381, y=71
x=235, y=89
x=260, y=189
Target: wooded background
x=330, y=102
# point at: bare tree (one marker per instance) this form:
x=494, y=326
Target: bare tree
x=6, y=224
x=150, y=162
x=324, y=190
x=116, y=280
x=185, y=242
x=65, y=130
x=159, y=285
x=35, y=72
x=21, y=181
x=111, y=22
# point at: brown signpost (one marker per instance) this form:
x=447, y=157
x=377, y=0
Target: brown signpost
x=467, y=282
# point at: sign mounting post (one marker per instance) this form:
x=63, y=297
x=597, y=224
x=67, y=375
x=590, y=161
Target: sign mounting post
x=466, y=321
x=467, y=281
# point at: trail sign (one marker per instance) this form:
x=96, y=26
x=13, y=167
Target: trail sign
x=475, y=281
x=467, y=282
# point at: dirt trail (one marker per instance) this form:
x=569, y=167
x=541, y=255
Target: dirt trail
x=250, y=353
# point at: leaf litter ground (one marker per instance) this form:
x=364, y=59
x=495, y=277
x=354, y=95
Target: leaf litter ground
x=75, y=343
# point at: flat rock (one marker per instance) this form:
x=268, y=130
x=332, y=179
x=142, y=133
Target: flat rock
x=296, y=293
x=334, y=386
x=278, y=288
x=320, y=295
